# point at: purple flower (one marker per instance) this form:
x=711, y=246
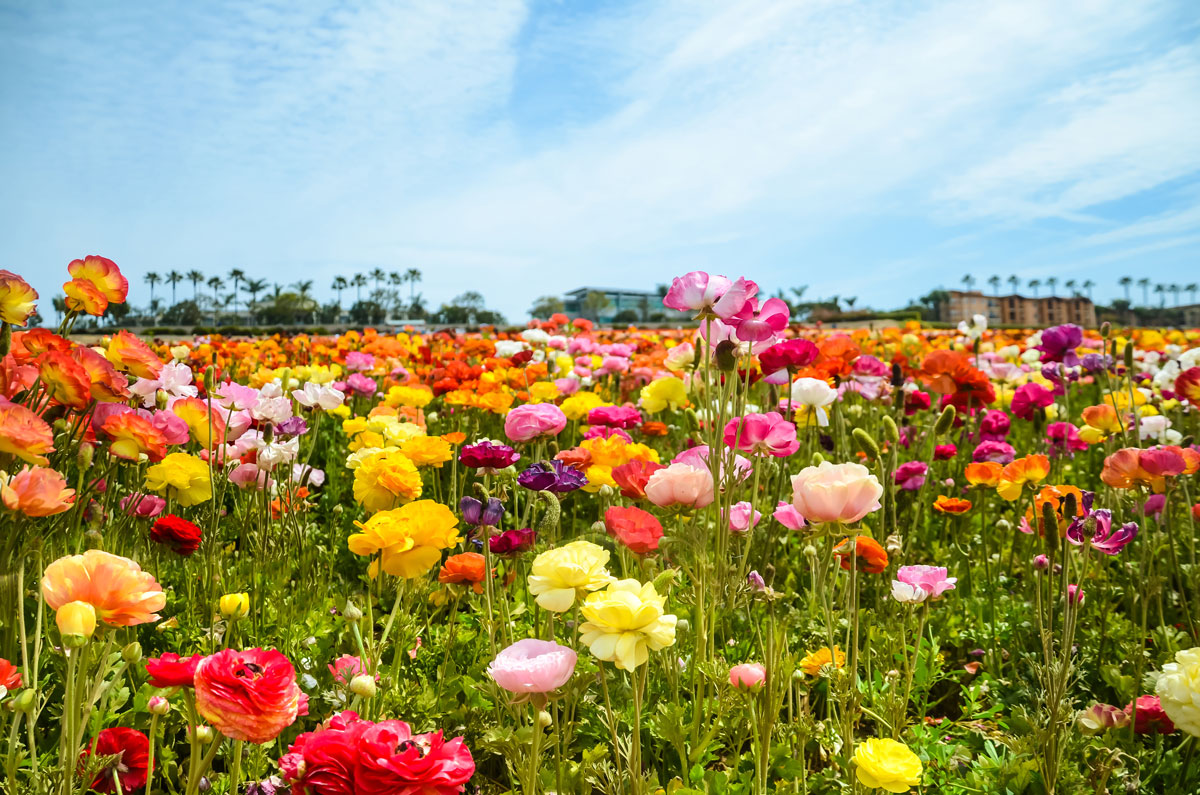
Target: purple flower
x=1059, y=344
x=1096, y=362
x=475, y=513
x=488, y=456
x=512, y=542
x=1098, y=524
x=756, y=582
x=910, y=476
x=552, y=476
x=1154, y=506
x=292, y=426
x=1000, y=452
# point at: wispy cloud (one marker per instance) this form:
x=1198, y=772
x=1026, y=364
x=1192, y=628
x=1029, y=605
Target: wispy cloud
x=527, y=150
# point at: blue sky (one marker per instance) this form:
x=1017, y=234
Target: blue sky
x=521, y=149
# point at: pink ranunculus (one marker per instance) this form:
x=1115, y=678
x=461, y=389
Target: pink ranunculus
x=171, y=425
x=933, y=580
x=249, y=476
x=910, y=475
x=786, y=514
x=533, y=666
x=765, y=434
x=944, y=452
x=680, y=484
x=528, y=422
x=247, y=695
x=1150, y=718
x=994, y=426
x=835, y=492
x=743, y=517
x=143, y=506
x=698, y=457
x=748, y=676
x=615, y=416
x=783, y=358
x=756, y=323
x=994, y=450
x=1029, y=398
x=347, y=667
x=698, y=291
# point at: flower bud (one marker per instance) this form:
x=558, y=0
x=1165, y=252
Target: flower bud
x=726, y=355
x=865, y=443
x=1075, y=594
x=132, y=653
x=890, y=431
x=157, y=705
x=76, y=620
x=94, y=539
x=945, y=421
x=683, y=625
x=1041, y=563
x=363, y=685
x=544, y=719
x=87, y=452
x=351, y=613
x=24, y=701
x=756, y=582
x=204, y=785
x=161, y=399
x=1105, y=329
x=234, y=606
x=663, y=581
x=204, y=734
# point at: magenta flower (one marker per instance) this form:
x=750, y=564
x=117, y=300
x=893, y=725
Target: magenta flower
x=944, y=452
x=359, y=384
x=143, y=506
x=756, y=323
x=763, y=434
x=1059, y=344
x=1000, y=452
x=615, y=417
x=700, y=292
x=1064, y=439
x=784, y=358
x=488, y=456
x=1029, y=398
x=1098, y=525
x=910, y=475
x=994, y=426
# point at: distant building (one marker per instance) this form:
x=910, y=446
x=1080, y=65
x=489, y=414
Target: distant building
x=642, y=305
x=1191, y=316
x=1017, y=310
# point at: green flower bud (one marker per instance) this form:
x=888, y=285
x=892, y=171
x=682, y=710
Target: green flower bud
x=1129, y=356
x=865, y=443
x=351, y=613
x=890, y=431
x=945, y=421
x=1105, y=329
x=132, y=653
x=363, y=685
x=24, y=700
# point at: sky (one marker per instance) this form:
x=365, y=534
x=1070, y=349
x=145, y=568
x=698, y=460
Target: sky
x=519, y=149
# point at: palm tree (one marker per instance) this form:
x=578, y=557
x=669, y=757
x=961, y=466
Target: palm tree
x=254, y=287
x=968, y=280
x=1144, y=283
x=1161, y=291
x=994, y=281
x=1014, y=282
x=850, y=301
x=395, y=278
x=237, y=275
x=1034, y=284
x=151, y=279
x=195, y=277
x=304, y=288
x=1070, y=285
x=1051, y=282
x=359, y=281
x=339, y=284
x=1191, y=289
x=174, y=278
x=215, y=283
x=1174, y=288
x=413, y=275
x=1087, y=285
x=1125, y=281
x=377, y=276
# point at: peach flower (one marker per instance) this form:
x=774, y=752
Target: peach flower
x=680, y=484
x=835, y=492
x=36, y=492
x=122, y=594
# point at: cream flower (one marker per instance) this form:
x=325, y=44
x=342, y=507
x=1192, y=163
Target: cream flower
x=560, y=576
x=626, y=621
x=1178, y=690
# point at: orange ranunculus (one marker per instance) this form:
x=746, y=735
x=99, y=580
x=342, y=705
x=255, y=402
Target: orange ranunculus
x=107, y=385
x=872, y=558
x=1103, y=417
x=24, y=434
x=1123, y=470
x=28, y=345
x=654, y=428
x=455, y=437
x=134, y=436
x=951, y=373
x=104, y=274
x=984, y=473
x=129, y=353
x=36, y=492
x=467, y=568
x=16, y=299
x=15, y=377
x=1131, y=466
x=944, y=504
x=1056, y=498
x=195, y=413
x=121, y=593
x=1031, y=469
x=64, y=380
x=83, y=296
x=427, y=450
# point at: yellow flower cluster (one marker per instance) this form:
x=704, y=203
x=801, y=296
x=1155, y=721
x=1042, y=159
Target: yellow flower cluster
x=497, y=402
x=408, y=539
x=577, y=406
x=416, y=397
x=379, y=430
x=182, y=477
x=663, y=393
x=384, y=479
x=427, y=450
x=625, y=622
x=561, y=575
x=612, y=452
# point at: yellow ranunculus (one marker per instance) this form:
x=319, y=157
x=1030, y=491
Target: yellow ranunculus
x=887, y=764
x=625, y=622
x=577, y=406
x=414, y=396
x=814, y=661
x=76, y=618
x=410, y=538
x=662, y=393
x=542, y=392
x=427, y=450
x=184, y=478
x=561, y=575
x=384, y=479
x=234, y=605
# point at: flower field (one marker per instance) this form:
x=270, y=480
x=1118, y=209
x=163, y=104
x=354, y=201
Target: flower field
x=743, y=557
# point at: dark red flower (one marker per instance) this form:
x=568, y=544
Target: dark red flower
x=179, y=534
x=633, y=527
x=171, y=670
x=128, y=751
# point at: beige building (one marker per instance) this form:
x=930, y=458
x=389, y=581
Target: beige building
x=1018, y=310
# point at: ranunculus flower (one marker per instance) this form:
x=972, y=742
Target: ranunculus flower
x=528, y=422
x=247, y=695
x=680, y=484
x=783, y=358
x=564, y=574
x=120, y=592
x=887, y=764
x=931, y=581
x=1099, y=718
x=553, y=476
x=910, y=475
x=488, y=456
x=700, y=292
x=748, y=676
x=1030, y=397
x=758, y=322
x=632, y=477
x=465, y=568
x=764, y=434
x=182, y=536
x=1150, y=718
x=347, y=667
x=533, y=666
x=786, y=514
x=872, y=558
x=143, y=506
x=615, y=416
x=36, y=492
x=17, y=299
x=1178, y=690
x=171, y=670
x=633, y=527
x=813, y=395
x=835, y=492
x=625, y=622
x=1059, y=343
x=513, y=541
x=392, y=760
x=130, y=753
x=743, y=517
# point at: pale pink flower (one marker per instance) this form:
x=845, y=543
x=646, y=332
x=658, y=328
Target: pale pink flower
x=930, y=581
x=533, y=666
x=680, y=484
x=743, y=517
x=528, y=422
x=698, y=291
x=786, y=514
x=835, y=492
x=748, y=676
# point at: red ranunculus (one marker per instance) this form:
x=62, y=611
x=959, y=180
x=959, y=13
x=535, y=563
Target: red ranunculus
x=633, y=527
x=10, y=675
x=632, y=477
x=132, y=751
x=323, y=762
x=247, y=695
x=171, y=670
x=178, y=533
x=394, y=761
